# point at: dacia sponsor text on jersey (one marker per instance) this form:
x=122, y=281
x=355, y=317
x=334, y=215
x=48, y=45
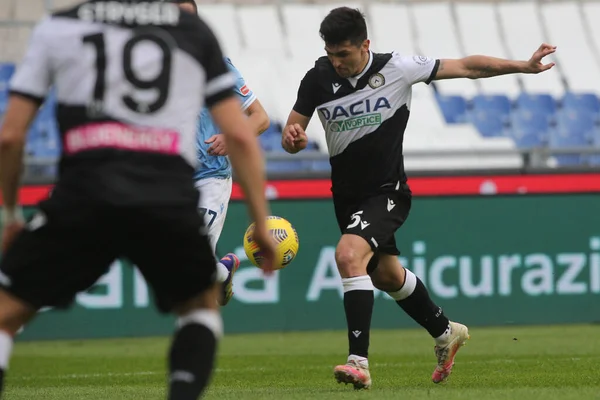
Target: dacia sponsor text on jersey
x=356, y=115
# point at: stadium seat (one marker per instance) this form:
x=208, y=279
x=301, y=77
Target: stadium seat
x=6, y=71
x=567, y=30
x=591, y=11
x=489, y=123
x=574, y=129
x=303, y=39
x=426, y=15
x=531, y=119
x=536, y=103
x=523, y=32
x=279, y=166
x=454, y=108
x=221, y=17
x=393, y=30
x=581, y=101
x=594, y=159
x=492, y=103
x=579, y=123
x=529, y=128
x=480, y=34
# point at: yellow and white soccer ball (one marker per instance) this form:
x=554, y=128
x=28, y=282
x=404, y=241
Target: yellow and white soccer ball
x=286, y=240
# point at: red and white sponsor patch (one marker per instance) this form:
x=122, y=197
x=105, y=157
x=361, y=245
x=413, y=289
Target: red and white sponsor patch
x=245, y=90
x=120, y=136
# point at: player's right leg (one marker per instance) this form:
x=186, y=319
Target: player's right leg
x=215, y=194
x=178, y=263
x=352, y=256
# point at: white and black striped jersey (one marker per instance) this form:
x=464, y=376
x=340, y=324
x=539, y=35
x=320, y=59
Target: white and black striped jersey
x=364, y=118
x=130, y=78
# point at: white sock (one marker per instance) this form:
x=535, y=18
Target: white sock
x=6, y=345
x=443, y=338
x=209, y=318
x=222, y=273
x=362, y=361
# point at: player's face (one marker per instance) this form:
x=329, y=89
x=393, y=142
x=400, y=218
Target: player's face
x=348, y=59
x=187, y=7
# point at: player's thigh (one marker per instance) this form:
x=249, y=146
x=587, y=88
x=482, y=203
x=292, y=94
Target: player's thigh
x=377, y=220
x=213, y=205
x=60, y=253
x=173, y=255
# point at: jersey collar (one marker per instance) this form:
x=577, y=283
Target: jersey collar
x=354, y=79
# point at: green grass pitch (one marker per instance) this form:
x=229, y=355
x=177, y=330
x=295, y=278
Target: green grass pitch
x=558, y=362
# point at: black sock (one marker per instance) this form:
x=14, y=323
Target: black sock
x=358, y=305
x=191, y=361
x=1, y=381
x=415, y=301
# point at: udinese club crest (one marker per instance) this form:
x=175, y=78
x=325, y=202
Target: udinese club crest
x=376, y=80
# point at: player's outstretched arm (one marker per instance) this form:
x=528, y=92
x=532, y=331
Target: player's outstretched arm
x=293, y=137
x=475, y=67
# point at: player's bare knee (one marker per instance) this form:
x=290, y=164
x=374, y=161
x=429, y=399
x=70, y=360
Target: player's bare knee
x=349, y=262
x=207, y=300
x=14, y=313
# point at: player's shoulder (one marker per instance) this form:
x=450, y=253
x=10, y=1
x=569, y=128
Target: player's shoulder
x=410, y=60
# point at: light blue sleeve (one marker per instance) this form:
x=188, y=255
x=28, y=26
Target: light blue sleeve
x=242, y=90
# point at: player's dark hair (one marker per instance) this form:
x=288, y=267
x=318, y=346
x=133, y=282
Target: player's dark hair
x=344, y=23
x=192, y=2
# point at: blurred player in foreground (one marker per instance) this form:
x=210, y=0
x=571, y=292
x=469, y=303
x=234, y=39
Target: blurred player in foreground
x=363, y=101
x=213, y=176
x=130, y=77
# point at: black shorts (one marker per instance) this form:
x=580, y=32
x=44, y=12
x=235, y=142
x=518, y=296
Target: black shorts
x=64, y=250
x=375, y=218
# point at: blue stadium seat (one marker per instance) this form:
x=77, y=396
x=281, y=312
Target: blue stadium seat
x=579, y=123
x=488, y=123
x=536, y=102
x=594, y=159
x=286, y=166
x=6, y=71
x=492, y=103
x=320, y=165
x=529, y=128
x=574, y=129
x=581, y=101
x=454, y=108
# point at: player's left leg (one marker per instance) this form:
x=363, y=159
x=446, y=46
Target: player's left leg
x=14, y=313
x=412, y=296
x=214, y=202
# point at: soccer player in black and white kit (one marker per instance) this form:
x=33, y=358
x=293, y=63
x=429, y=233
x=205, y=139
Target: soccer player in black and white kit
x=130, y=78
x=363, y=101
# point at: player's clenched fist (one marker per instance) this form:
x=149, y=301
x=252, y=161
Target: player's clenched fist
x=294, y=138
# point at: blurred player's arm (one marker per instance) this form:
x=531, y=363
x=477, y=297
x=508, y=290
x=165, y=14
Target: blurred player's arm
x=244, y=150
x=244, y=153
x=28, y=88
x=20, y=113
x=477, y=66
x=257, y=117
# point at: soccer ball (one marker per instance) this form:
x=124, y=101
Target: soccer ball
x=286, y=240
